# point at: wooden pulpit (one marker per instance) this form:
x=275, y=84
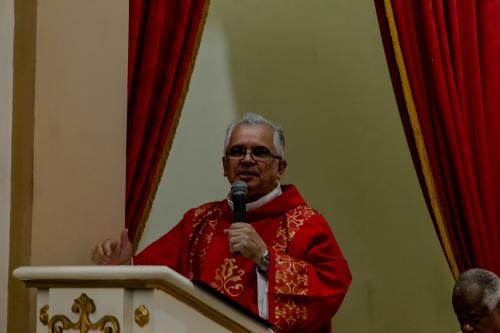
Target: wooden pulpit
x=135, y=299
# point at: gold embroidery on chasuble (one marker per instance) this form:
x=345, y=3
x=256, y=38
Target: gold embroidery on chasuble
x=296, y=218
x=228, y=278
x=288, y=313
x=205, y=221
x=291, y=277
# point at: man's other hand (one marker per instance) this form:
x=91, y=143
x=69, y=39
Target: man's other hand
x=244, y=239
x=113, y=252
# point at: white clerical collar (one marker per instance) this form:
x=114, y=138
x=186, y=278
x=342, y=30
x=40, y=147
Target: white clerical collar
x=262, y=201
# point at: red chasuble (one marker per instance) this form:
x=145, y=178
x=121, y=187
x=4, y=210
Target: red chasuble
x=307, y=278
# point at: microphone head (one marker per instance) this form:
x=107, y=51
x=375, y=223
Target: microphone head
x=239, y=188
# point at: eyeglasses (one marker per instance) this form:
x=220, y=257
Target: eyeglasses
x=258, y=153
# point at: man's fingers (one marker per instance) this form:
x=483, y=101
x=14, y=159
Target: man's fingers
x=124, y=238
x=240, y=226
x=244, y=240
x=99, y=261
x=237, y=231
x=240, y=238
x=98, y=256
x=109, y=247
x=115, y=249
x=237, y=247
x=113, y=252
x=100, y=252
x=93, y=257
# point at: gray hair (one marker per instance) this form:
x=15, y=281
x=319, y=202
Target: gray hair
x=254, y=119
x=487, y=281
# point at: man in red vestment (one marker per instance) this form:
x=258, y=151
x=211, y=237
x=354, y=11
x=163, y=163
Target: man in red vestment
x=283, y=263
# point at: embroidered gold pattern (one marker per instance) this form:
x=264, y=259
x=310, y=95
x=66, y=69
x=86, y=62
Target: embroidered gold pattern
x=280, y=243
x=296, y=218
x=291, y=276
x=205, y=221
x=288, y=314
x=227, y=277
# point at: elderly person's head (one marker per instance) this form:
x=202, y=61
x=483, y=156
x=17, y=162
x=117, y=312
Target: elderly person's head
x=253, y=153
x=476, y=301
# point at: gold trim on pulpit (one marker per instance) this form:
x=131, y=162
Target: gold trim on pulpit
x=141, y=316
x=44, y=315
x=162, y=285
x=84, y=306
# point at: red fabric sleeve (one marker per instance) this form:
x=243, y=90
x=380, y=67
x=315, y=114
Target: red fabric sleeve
x=308, y=283
x=170, y=249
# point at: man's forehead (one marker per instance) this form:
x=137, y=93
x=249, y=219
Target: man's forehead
x=471, y=301
x=474, y=292
x=468, y=298
x=261, y=131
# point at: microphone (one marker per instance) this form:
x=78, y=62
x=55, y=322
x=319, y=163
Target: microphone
x=239, y=191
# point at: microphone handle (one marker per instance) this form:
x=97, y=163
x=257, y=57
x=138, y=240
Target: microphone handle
x=239, y=208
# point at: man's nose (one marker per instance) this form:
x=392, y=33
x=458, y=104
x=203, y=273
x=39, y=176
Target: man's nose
x=467, y=328
x=248, y=157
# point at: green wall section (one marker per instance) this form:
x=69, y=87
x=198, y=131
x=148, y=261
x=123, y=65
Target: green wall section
x=318, y=68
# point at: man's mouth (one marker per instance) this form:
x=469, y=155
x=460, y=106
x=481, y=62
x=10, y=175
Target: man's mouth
x=247, y=174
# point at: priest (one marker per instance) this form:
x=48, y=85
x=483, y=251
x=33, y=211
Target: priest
x=282, y=262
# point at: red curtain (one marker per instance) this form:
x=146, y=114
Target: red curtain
x=163, y=41
x=444, y=60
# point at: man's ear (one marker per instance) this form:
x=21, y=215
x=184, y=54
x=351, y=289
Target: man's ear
x=281, y=168
x=224, y=165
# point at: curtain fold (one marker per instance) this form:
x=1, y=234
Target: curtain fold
x=164, y=37
x=443, y=59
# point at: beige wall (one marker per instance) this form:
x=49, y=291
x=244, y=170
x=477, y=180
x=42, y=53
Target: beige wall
x=6, y=69
x=80, y=127
x=318, y=68
x=69, y=134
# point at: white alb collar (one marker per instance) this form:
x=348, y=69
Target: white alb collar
x=262, y=201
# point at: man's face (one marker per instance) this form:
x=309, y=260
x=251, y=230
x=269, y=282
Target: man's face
x=260, y=176
x=473, y=315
